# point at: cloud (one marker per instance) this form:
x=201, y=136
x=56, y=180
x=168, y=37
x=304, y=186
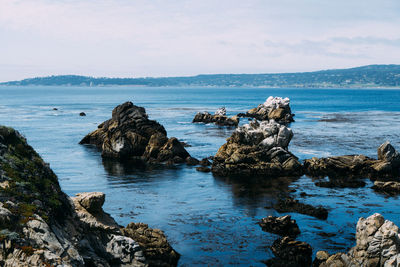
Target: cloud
x=183, y=37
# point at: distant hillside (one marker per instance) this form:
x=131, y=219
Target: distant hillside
x=366, y=76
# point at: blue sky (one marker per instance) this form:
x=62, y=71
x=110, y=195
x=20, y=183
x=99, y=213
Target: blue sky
x=136, y=38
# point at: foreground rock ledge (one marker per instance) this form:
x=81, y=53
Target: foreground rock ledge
x=41, y=226
x=258, y=148
x=276, y=108
x=377, y=244
x=130, y=135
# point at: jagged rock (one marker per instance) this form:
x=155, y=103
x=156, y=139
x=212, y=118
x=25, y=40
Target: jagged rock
x=391, y=187
x=290, y=252
x=219, y=118
x=283, y=226
x=377, y=244
x=275, y=108
x=288, y=204
x=350, y=166
x=130, y=135
x=42, y=226
x=156, y=248
x=257, y=149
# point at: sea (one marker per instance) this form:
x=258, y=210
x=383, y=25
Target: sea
x=209, y=220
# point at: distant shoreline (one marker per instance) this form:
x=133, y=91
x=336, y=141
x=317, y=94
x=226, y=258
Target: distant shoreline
x=371, y=76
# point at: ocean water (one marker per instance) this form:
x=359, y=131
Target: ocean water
x=211, y=220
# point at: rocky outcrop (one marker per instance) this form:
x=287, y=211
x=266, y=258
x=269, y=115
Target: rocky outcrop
x=41, y=226
x=387, y=165
x=390, y=187
x=283, y=226
x=290, y=252
x=258, y=149
x=130, y=135
x=377, y=244
x=275, y=108
x=156, y=248
x=288, y=204
x=218, y=118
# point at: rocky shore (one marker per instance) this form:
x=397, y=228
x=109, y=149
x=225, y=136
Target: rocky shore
x=219, y=118
x=42, y=226
x=131, y=136
x=275, y=108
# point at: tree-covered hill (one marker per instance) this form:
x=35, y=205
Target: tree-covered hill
x=366, y=76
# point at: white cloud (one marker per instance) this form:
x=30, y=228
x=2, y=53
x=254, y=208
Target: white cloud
x=183, y=37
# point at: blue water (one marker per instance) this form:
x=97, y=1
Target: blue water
x=211, y=220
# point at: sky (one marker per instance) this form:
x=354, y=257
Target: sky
x=143, y=38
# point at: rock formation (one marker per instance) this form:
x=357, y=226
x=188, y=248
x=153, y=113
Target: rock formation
x=41, y=226
x=258, y=149
x=283, y=226
x=219, y=118
x=130, y=135
x=275, y=108
x=377, y=244
x=290, y=252
x=390, y=188
x=387, y=165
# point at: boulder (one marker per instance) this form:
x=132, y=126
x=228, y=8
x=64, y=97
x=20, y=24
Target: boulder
x=290, y=252
x=275, y=108
x=257, y=148
x=283, y=226
x=377, y=244
x=156, y=248
x=130, y=135
x=218, y=118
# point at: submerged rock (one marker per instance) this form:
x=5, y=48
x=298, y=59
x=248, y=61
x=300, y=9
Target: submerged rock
x=288, y=204
x=218, y=118
x=41, y=226
x=130, y=135
x=258, y=149
x=283, y=226
x=290, y=252
x=275, y=108
x=387, y=165
x=377, y=244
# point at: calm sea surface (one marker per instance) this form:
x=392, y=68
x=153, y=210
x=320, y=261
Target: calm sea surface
x=211, y=220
